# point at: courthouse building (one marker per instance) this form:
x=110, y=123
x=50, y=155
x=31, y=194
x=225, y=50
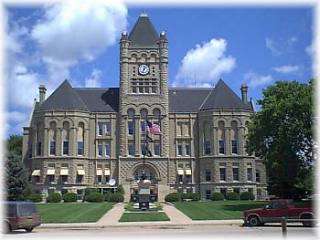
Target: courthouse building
x=95, y=137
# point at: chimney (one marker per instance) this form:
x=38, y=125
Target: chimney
x=244, y=93
x=42, y=93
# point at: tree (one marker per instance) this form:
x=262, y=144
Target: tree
x=14, y=144
x=16, y=178
x=281, y=134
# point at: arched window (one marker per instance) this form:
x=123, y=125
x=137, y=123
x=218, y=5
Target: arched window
x=52, y=138
x=157, y=113
x=234, y=137
x=144, y=117
x=221, y=137
x=38, y=140
x=80, y=139
x=65, y=138
x=206, y=139
x=131, y=114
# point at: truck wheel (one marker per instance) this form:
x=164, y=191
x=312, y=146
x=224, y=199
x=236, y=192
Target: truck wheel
x=29, y=229
x=309, y=222
x=254, y=221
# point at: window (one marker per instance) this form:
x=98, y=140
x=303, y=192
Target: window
x=108, y=150
x=99, y=179
x=52, y=138
x=107, y=128
x=234, y=146
x=130, y=127
x=222, y=173
x=257, y=176
x=143, y=126
x=107, y=178
x=131, y=149
x=224, y=192
x=188, y=179
x=180, y=178
x=38, y=148
x=179, y=149
x=188, y=152
x=100, y=129
x=79, y=178
x=99, y=150
x=207, y=147
x=235, y=173
x=208, y=175
x=221, y=147
x=80, y=139
x=180, y=166
x=249, y=174
x=208, y=194
x=64, y=179
x=50, y=178
x=52, y=147
x=65, y=148
x=221, y=137
x=236, y=190
x=179, y=129
x=156, y=149
x=234, y=137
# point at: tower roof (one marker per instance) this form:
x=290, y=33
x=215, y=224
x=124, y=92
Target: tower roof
x=64, y=98
x=143, y=33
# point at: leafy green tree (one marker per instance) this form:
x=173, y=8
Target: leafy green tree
x=14, y=144
x=281, y=134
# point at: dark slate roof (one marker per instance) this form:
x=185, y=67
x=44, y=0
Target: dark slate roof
x=64, y=98
x=100, y=99
x=222, y=97
x=187, y=99
x=143, y=33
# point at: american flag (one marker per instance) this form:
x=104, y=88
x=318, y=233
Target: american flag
x=153, y=128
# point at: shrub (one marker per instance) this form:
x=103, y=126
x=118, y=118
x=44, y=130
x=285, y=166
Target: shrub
x=246, y=196
x=217, y=196
x=232, y=196
x=120, y=189
x=35, y=197
x=173, y=197
x=88, y=191
x=70, y=197
x=94, y=197
x=192, y=196
x=54, y=198
x=114, y=197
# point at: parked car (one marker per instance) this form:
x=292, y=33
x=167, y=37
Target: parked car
x=21, y=215
x=278, y=209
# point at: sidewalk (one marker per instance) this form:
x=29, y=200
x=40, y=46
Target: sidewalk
x=111, y=219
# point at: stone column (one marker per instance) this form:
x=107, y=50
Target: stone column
x=59, y=142
x=45, y=142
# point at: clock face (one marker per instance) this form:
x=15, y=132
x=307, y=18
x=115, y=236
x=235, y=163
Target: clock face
x=143, y=69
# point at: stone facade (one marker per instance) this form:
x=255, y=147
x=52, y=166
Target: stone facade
x=71, y=147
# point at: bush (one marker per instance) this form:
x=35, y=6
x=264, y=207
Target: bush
x=94, y=197
x=120, y=189
x=173, y=197
x=88, y=191
x=114, y=197
x=70, y=197
x=233, y=196
x=36, y=197
x=192, y=196
x=217, y=196
x=246, y=196
x=54, y=198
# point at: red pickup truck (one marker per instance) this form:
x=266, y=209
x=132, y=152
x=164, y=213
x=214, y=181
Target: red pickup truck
x=276, y=210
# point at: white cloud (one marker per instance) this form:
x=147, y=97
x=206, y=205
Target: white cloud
x=255, y=80
x=310, y=50
x=280, y=46
x=74, y=31
x=287, y=69
x=95, y=79
x=204, y=64
x=272, y=46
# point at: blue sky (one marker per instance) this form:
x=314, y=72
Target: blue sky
x=257, y=46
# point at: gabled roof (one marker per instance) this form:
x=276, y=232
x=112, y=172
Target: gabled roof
x=64, y=98
x=222, y=97
x=187, y=99
x=100, y=99
x=143, y=33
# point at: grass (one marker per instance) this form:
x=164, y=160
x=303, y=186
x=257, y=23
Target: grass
x=129, y=207
x=217, y=210
x=144, y=217
x=72, y=212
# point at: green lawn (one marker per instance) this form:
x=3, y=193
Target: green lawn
x=217, y=210
x=144, y=217
x=72, y=212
